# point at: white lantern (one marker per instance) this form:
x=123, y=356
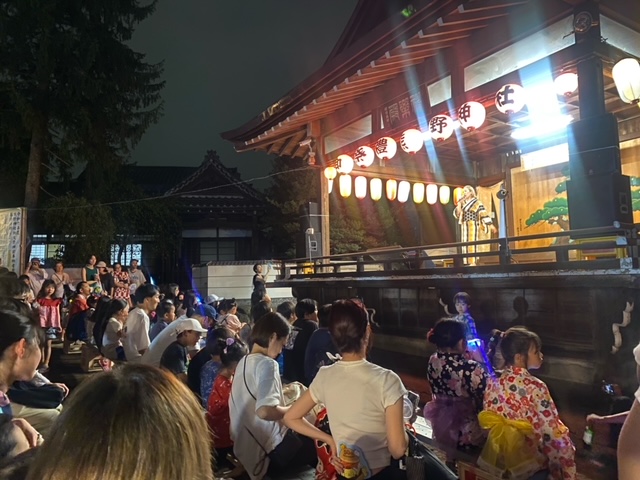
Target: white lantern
x=404, y=188
x=361, y=187
x=330, y=173
x=364, y=156
x=345, y=164
x=510, y=98
x=471, y=115
x=392, y=189
x=375, y=189
x=565, y=84
x=411, y=140
x=458, y=192
x=432, y=194
x=445, y=194
x=418, y=192
x=345, y=185
x=441, y=127
x=386, y=148
x=626, y=75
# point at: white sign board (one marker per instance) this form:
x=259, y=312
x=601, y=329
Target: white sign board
x=12, y=238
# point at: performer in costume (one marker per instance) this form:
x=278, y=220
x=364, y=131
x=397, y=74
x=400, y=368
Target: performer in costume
x=470, y=213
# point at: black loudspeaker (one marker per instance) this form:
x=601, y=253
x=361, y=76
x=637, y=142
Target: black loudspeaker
x=598, y=201
x=309, y=240
x=594, y=146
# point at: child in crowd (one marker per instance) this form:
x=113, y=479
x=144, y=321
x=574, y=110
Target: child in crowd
x=227, y=316
x=525, y=429
x=210, y=369
x=165, y=314
x=232, y=351
x=49, y=318
x=176, y=356
x=76, y=329
x=462, y=302
x=458, y=387
x=116, y=316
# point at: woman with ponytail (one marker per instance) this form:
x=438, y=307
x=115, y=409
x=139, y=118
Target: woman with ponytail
x=458, y=386
x=526, y=436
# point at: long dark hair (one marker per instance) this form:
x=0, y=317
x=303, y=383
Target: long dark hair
x=14, y=327
x=46, y=284
x=103, y=314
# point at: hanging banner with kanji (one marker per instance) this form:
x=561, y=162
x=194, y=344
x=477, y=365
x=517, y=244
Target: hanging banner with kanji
x=12, y=238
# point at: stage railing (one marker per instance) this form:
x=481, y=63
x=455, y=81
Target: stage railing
x=604, y=247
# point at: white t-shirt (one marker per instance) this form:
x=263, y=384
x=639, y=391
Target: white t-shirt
x=110, y=339
x=137, y=278
x=136, y=337
x=165, y=338
x=356, y=395
x=251, y=435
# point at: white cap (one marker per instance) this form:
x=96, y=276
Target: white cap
x=211, y=298
x=187, y=324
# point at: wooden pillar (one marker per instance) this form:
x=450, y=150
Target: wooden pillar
x=325, y=224
x=314, y=130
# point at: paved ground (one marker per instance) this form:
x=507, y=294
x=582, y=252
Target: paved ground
x=596, y=465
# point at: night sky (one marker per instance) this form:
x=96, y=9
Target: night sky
x=225, y=62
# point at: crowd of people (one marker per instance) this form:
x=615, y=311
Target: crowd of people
x=251, y=399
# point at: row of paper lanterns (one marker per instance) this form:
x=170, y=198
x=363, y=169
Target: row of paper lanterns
x=509, y=99
x=471, y=115
x=395, y=190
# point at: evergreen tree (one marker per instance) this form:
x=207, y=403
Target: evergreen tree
x=293, y=185
x=80, y=92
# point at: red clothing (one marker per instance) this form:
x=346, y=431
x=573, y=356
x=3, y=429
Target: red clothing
x=78, y=305
x=121, y=292
x=49, y=312
x=218, y=412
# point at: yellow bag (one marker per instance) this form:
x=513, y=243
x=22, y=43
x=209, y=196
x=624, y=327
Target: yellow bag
x=506, y=449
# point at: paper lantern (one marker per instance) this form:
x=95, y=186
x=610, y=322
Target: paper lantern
x=510, y=98
x=345, y=164
x=471, y=115
x=375, y=189
x=432, y=194
x=626, y=75
x=330, y=173
x=345, y=185
x=441, y=127
x=361, y=187
x=445, y=194
x=412, y=140
x=386, y=148
x=392, y=189
x=566, y=84
x=458, y=193
x=364, y=156
x=404, y=188
x=418, y=192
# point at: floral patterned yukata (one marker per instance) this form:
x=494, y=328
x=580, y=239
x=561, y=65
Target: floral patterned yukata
x=458, y=386
x=518, y=395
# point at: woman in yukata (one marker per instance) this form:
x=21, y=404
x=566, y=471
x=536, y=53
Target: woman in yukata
x=458, y=386
x=526, y=435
